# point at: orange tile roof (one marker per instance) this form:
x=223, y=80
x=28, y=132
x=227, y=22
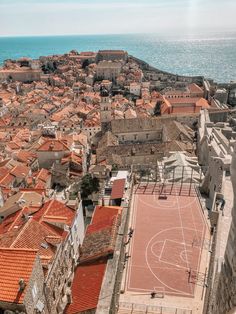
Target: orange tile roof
x=15, y=264
x=194, y=88
x=118, y=189
x=25, y=156
x=13, y=145
x=7, y=180
x=20, y=171
x=53, y=145
x=43, y=175
x=54, y=208
x=72, y=157
x=187, y=100
x=86, y=287
x=31, y=236
x=102, y=212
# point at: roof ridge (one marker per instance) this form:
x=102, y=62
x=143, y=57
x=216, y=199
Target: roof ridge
x=18, y=249
x=20, y=233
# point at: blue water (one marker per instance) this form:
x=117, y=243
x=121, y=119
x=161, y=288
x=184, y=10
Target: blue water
x=213, y=56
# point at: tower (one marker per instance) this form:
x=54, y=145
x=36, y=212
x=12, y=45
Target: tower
x=105, y=109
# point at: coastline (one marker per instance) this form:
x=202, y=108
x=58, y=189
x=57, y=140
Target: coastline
x=197, y=56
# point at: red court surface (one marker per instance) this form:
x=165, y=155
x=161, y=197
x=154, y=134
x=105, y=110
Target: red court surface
x=167, y=241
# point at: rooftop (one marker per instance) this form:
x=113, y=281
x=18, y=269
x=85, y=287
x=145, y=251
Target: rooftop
x=15, y=264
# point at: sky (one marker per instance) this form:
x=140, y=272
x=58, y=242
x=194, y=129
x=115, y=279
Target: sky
x=64, y=17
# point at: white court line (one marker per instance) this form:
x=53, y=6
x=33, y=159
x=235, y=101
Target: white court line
x=150, y=268
x=161, y=248
x=155, y=197
x=187, y=261
x=134, y=218
x=169, y=292
x=183, y=243
x=160, y=203
x=184, y=260
x=203, y=232
x=183, y=256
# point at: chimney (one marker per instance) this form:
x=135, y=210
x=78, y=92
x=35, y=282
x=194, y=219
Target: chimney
x=51, y=146
x=22, y=285
x=25, y=217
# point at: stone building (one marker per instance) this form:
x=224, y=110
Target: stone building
x=54, y=231
x=217, y=156
x=51, y=151
x=105, y=108
x=149, y=130
x=60, y=275
x=221, y=95
x=108, y=70
x=112, y=55
x=214, y=152
x=232, y=95
x=225, y=298
x=21, y=74
x=143, y=141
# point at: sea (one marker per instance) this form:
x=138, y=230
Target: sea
x=212, y=55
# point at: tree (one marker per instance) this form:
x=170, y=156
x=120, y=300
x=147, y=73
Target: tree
x=144, y=172
x=157, y=109
x=89, y=185
x=85, y=63
x=114, y=167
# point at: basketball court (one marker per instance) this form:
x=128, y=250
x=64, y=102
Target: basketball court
x=167, y=242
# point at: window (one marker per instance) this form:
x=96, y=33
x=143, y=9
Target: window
x=147, y=136
x=135, y=136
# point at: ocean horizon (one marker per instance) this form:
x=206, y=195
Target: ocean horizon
x=212, y=55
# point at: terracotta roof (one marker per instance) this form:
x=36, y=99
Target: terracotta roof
x=15, y=264
x=13, y=145
x=194, y=88
x=6, y=179
x=100, y=239
x=54, y=208
x=53, y=145
x=102, y=212
x=43, y=175
x=72, y=157
x=26, y=156
x=86, y=287
x=20, y=171
x=188, y=101
x=118, y=189
x=101, y=234
x=24, y=232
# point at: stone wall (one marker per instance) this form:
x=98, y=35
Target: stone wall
x=108, y=302
x=61, y=273
x=162, y=75
x=22, y=76
x=225, y=299
x=35, y=289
